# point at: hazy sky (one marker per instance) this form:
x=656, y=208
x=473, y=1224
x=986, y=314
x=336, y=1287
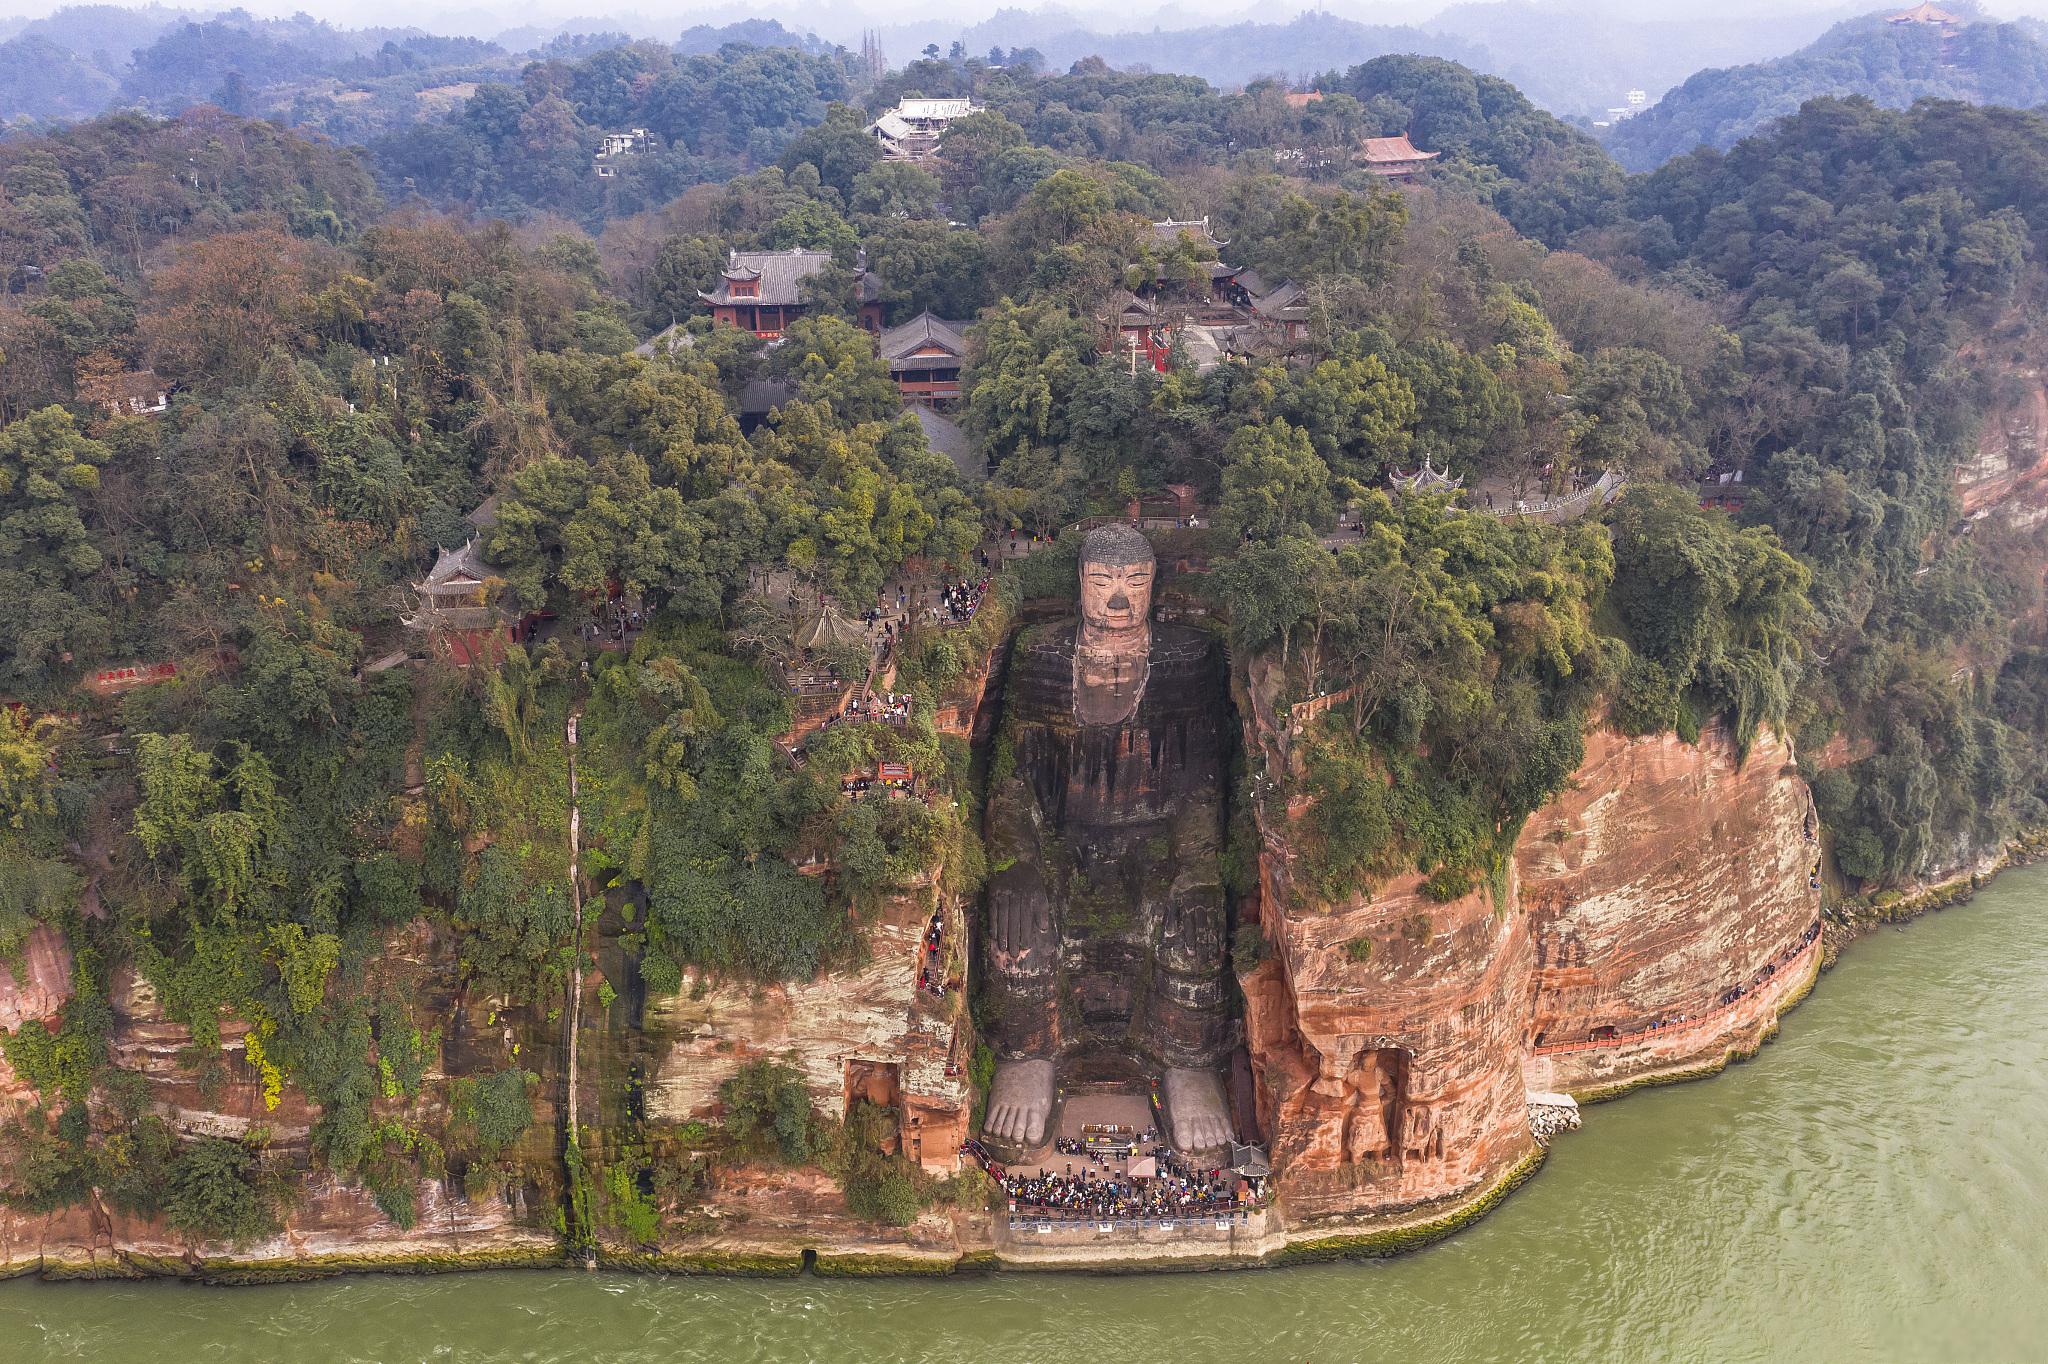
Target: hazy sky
x=832, y=17
x=842, y=20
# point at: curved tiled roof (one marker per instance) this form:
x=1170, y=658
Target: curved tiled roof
x=906, y=339
x=779, y=273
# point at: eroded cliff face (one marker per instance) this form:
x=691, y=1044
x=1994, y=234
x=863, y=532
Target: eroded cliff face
x=1386, y=1034
x=1397, y=1039
x=33, y=990
x=866, y=1032
x=328, y=1220
x=1666, y=876
x=2008, y=472
x=1394, y=1039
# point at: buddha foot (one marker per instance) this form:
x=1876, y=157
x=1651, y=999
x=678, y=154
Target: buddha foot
x=1020, y=1102
x=1196, y=1109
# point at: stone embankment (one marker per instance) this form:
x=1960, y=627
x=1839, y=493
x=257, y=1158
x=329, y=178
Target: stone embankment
x=1551, y=1116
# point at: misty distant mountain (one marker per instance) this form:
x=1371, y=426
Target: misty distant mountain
x=1227, y=54
x=1576, y=59
x=1892, y=64
x=1581, y=58
x=352, y=84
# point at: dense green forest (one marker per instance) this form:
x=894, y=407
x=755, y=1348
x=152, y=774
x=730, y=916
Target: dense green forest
x=372, y=356
x=1891, y=64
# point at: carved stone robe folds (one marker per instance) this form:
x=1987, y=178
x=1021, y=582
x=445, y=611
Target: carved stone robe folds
x=1106, y=945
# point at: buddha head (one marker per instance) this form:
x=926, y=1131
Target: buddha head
x=1114, y=642
x=1116, y=582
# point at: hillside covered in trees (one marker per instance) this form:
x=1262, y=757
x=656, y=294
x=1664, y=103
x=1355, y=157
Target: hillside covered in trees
x=1890, y=64
x=257, y=390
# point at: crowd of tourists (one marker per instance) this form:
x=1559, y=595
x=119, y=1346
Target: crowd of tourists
x=959, y=601
x=889, y=707
x=1770, y=968
x=1735, y=994
x=1123, y=1141
x=1177, y=1190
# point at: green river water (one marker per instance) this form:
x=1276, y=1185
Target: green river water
x=1873, y=1186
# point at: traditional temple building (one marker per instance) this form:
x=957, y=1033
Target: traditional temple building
x=1396, y=158
x=457, y=610
x=1137, y=329
x=1167, y=237
x=1930, y=15
x=924, y=356
x=761, y=291
x=911, y=131
x=1278, y=309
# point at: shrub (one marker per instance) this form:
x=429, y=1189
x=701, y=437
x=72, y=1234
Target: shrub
x=1247, y=949
x=398, y=1200
x=215, y=1192
x=496, y=1108
x=41, y=1169
x=768, y=1112
x=626, y=1208
x=881, y=1189
x=1447, y=883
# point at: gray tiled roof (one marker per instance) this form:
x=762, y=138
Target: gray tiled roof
x=1287, y=302
x=761, y=396
x=781, y=273
x=923, y=330
x=1166, y=236
x=947, y=438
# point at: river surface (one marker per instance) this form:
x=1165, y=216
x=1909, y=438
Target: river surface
x=1873, y=1186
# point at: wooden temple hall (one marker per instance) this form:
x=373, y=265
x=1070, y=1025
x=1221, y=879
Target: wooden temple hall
x=1395, y=158
x=764, y=291
x=925, y=356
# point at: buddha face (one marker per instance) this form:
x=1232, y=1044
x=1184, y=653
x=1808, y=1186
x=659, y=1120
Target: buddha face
x=1115, y=598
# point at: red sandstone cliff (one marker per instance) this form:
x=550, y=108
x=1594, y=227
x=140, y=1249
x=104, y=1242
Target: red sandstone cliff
x=1664, y=877
x=2008, y=471
x=1386, y=1033
x=1395, y=1038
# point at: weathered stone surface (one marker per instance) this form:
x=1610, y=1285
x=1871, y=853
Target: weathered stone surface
x=36, y=991
x=839, y=1026
x=1396, y=1039
x=2008, y=471
x=1106, y=908
x=329, y=1220
x=1386, y=1034
x=1665, y=876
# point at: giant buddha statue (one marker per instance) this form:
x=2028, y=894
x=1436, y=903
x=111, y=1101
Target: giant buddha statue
x=1106, y=936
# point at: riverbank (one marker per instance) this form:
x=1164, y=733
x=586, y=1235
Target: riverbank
x=1848, y=920
x=979, y=1244
x=1755, y=1216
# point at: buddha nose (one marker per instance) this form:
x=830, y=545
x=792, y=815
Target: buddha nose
x=1120, y=602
